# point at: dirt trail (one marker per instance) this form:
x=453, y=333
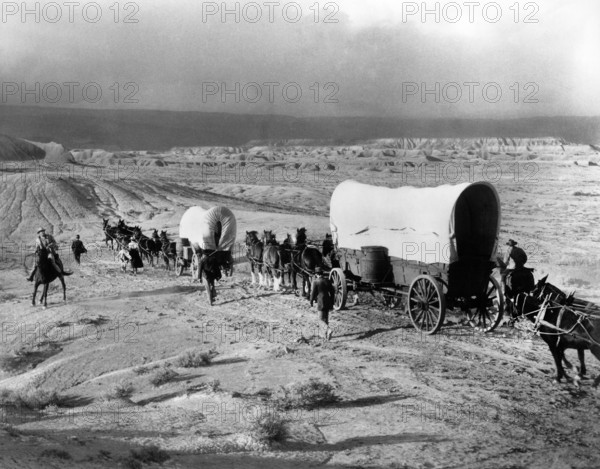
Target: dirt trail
x=457, y=399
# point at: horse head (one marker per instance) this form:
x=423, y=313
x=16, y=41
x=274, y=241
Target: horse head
x=163, y=234
x=544, y=289
x=300, y=236
x=104, y=223
x=154, y=233
x=269, y=237
x=252, y=237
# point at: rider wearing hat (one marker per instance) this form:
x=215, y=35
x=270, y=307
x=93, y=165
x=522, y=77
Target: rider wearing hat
x=45, y=240
x=514, y=273
x=323, y=293
x=515, y=257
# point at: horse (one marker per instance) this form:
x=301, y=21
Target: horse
x=328, y=250
x=110, y=233
x=45, y=274
x=148, y=246
x=543, y=290
x=168, y=250
x=272, y=260
x=305, y=258
x=562, y=328
x=254, y=253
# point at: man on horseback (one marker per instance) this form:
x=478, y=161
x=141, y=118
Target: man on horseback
x=47, y=241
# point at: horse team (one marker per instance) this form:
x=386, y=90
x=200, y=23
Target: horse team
x=290, y=258
x=156, y=246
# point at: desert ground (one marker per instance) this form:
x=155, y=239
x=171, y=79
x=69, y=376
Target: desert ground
x=459, y=399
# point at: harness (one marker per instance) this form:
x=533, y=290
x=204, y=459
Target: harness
x=541, y=321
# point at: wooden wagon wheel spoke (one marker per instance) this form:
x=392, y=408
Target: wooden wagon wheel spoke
x=338, y=280
x=423, y=318
x=488, y=316
x=426, y=304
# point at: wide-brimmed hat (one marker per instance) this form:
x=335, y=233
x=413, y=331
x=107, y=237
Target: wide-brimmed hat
x=40, y=229
x=511, y=242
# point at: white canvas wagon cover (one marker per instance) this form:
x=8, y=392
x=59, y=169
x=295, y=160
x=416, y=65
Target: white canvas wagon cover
x=431, y=225
x=200, y=226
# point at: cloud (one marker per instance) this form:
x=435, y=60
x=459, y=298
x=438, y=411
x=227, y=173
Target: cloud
x=358, y=65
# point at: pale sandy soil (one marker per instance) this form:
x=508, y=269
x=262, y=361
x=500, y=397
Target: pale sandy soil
x=458, y=399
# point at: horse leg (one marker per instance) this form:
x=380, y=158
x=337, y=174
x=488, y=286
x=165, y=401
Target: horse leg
x=252, y=275
x=277, y=280
x=571, y=367
x=293, y=278
x=45, y=295
x=62, y=282
x=35, y=288
x=581, y=355
x=595, y=349
x=558, y=356
x=261, y=277
x=304, y=287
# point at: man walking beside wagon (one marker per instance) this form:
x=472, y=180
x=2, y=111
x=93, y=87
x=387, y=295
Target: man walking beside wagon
x=323, y=293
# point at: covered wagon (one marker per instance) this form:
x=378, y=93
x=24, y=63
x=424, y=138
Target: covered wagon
x=435, y=247
x=206, y=231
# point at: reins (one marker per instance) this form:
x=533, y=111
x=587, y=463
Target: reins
x=541, y=321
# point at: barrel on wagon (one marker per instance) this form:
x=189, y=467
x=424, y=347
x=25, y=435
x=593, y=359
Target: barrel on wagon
x=206, y=231
x=436, y=245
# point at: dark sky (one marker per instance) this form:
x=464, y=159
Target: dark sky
x=357, y=58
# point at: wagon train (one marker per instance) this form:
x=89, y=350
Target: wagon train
x=433, y=248
x=205, y=232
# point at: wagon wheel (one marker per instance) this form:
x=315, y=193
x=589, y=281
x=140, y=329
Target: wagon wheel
x=195, y=268
x=180, y=267
x=338, y=279
x=426, y=304
x=489, y=317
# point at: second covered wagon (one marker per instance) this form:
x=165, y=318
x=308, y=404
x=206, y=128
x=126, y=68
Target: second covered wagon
x=435, y=247
x=206, y=231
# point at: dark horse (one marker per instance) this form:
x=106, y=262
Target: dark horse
x=110, y=233
x=561, y=327
x=305, y=258
x=149, y=247
x=272, y=260
x=543, y=290
x=254, y=253
x=45, y=274
x=168, y=250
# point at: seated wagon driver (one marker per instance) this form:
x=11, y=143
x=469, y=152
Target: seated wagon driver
x=46, y=240
x=514, y=273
